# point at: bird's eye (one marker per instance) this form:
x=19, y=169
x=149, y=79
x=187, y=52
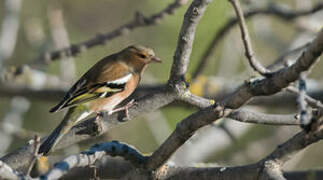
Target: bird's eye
x=142, y=55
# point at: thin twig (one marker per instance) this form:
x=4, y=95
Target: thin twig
x=305, y=118
x=311, y=101
x=261, y=118
x=274, y=10
x=139, y=21
x=254, y=63
x=36, y=143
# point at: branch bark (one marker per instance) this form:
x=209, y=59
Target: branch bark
x=101, y=39
x=266, y=86
x=249, y=52
x=90, y=128
x=185, y=40
x=279, y=12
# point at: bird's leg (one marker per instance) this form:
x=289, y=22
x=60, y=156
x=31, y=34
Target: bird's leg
x=125, y=108
x=99, y=115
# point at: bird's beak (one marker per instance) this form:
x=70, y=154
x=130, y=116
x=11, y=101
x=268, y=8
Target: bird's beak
x=155, y=59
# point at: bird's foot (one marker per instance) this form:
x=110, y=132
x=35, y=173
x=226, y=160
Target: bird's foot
x=99, y=115
x=125, y=108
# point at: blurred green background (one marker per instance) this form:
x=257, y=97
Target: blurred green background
x=84, y=19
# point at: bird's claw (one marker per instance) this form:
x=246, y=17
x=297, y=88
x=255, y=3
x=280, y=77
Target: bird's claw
x=125, y=108
x=99, y=115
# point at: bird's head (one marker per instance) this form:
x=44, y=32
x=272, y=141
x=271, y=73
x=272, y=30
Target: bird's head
x=137, y=54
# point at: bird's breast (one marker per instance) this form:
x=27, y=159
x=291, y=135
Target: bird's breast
x=109, y=103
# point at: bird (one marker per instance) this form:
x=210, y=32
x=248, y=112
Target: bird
x=103, y=87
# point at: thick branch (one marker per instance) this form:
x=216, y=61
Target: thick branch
x=237, y=172
x=117, y=168
x=91, y=128
x=281, y=60
x=185, y=39
x=97, y=152
x=242, y=95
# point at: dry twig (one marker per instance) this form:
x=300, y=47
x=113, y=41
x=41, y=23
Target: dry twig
x=279, y=12
x=254, y=63
x=36, y=143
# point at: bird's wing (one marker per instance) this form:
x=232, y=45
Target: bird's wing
x=81, y=92
x=84, y=91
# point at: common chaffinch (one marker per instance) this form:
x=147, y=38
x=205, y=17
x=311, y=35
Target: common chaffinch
x=102, y=88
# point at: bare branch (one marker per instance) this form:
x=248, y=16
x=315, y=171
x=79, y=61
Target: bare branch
x=246, y=40
x=279, y=79
x=236, y=172
x=101, y=39
x=267, y=86
x=185, y=40
x=271, y=171
x=194, y=100
x=93, y=128
x=117, y=168
x=311, y=101
x=285, y=151
x=96, y=152
x=281, y=60
x=6, y=172
x=243, y=115
x=36, y=143
x=305, y=117
x=261, y=118
x=280, y=13
x=207, y=115
x=253, y=171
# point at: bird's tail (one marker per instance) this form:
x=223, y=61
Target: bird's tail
x=72, y=117
x=52, y=139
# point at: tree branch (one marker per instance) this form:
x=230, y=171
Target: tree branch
x=185, y=40
x=6, y=172
x=101, y=39
x=311, y=101
x=95, y=153
x=279, y=12
x=185, y=129
x=92, y=128
x=261, y=118
x=249, y=52
x=266, y=86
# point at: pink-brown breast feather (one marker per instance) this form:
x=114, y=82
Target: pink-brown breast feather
x=108, y=104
